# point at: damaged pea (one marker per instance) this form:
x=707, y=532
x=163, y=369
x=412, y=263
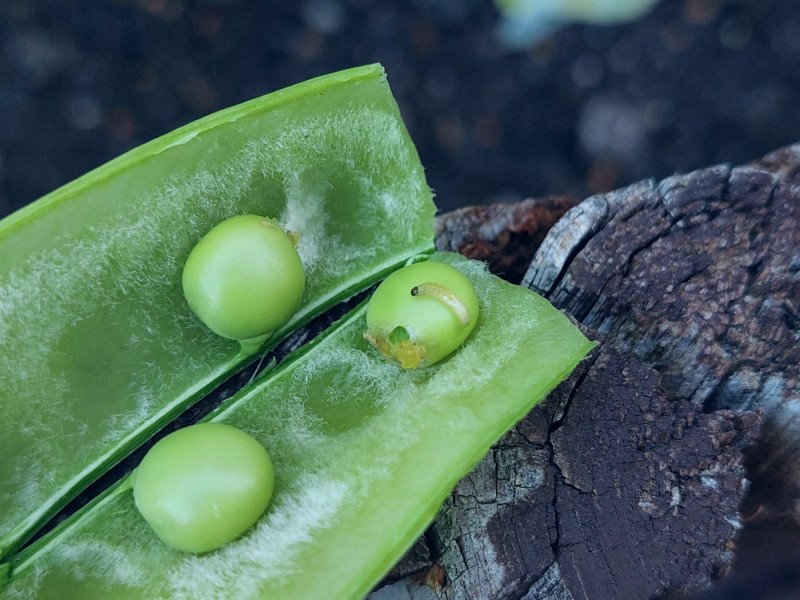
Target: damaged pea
x=421, y=314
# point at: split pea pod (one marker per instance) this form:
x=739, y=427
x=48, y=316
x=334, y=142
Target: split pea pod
x=364, y=453
x=98, y=347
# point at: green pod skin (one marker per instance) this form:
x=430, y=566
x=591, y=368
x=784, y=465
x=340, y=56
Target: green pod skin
x=244, y=279
x=99, y=347
x=203, y=486
x=368, y=453
x=421, y=313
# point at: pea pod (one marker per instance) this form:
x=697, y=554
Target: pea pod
x=98, y=347
x=364, y=453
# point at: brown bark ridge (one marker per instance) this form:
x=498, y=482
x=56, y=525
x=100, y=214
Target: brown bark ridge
x=627, y=481
x=506, y=236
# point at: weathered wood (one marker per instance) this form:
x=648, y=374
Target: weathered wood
x=506, y=236
x=698, y=275
x=627, y=482
x=653, y=509
x=651, y=486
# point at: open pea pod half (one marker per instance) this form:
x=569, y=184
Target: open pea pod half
x=364, y=454
x=98, y=348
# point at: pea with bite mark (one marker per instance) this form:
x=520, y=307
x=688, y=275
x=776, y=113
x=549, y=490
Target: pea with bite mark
x=421, y=313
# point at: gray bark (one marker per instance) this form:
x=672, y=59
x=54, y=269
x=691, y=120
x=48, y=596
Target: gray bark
x=699, y=276
x=630, y=480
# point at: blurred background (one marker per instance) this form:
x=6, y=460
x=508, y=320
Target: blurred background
x=502, y=105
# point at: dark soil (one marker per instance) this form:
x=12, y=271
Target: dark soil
x=589, y=109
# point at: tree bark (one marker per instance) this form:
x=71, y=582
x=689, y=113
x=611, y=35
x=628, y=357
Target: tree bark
x=506, y=236
x=699, y=276
x=630, y=480
x=608, y=489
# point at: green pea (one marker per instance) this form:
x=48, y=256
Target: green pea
x=203, y=486
x=244, y=279
x=421, y=313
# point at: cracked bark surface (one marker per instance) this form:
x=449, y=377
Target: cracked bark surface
x=699, y=276
x=628, y=481
x=653, y=511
